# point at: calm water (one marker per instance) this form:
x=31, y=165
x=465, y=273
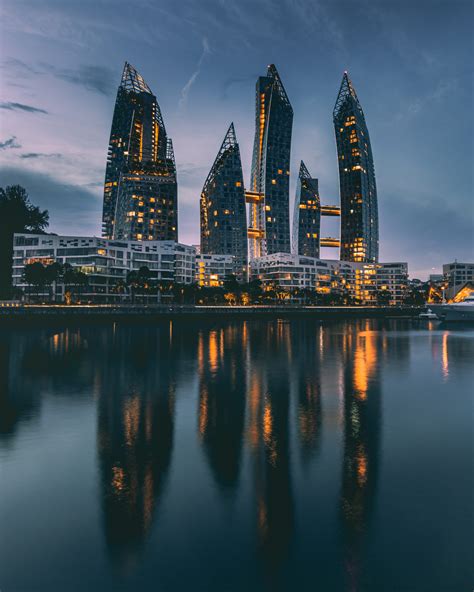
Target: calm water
x=237, y=456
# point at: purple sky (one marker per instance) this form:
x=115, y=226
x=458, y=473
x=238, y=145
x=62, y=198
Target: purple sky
x=61, y=62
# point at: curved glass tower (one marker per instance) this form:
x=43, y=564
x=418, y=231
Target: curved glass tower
x=223, y=214
x=359, y=215
x=307, y=215
x=269, y=215
x=140, y=192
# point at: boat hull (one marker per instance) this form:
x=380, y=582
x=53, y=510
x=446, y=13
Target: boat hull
x=453, y=312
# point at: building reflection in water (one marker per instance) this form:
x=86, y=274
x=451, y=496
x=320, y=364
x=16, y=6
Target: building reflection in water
x=261, y=399
x=36, y=362
x=135, y=433
x=308, y=348
x=362, y=433
x=221, y=406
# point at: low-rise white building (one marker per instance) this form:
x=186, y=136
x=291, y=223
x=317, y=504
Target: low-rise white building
x=362, y=282
x=212, y=270
x=367, y=281
x=290, y=271
x=105, y=262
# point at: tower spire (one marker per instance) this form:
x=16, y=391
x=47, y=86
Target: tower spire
x=346, y=90
x=132, y=80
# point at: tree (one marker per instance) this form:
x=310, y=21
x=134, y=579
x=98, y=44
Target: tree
x=35, y=275
x=71, y=278
x=54, y=273
x=133, y=283
x=17, y=214
x=383, y=297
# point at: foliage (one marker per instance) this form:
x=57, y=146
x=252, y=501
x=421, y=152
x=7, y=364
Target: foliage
x=45, y=276
x=17, y=214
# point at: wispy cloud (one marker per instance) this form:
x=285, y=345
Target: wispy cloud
x=100, y=79
x=206, y=50
x=95, y=78
x=437, y=94
x=230, y=82
x=10, y=143
x=40, y=155
x=21, y=107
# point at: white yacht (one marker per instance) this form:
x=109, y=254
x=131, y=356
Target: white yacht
x=456, y=311
x=428, y=315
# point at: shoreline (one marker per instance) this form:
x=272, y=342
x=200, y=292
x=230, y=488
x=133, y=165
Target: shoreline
x=90, y=313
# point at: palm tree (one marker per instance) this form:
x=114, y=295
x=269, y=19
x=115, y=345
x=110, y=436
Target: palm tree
x=17, y=214
x=133, y=283
x=72, y=277
x=54, y=273
x=120, y=288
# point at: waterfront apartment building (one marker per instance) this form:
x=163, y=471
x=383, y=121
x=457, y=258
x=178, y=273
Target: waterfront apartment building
x=358, y=191
x=222, y=207
x=290, y=271
x=457, y=275
x=105, y=262
x=307, y=215
x=140, y=190
x=213, y=270
x=364, y=283
x=269, y=217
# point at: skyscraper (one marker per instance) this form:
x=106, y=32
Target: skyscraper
x=140, y=192
x=359, y=217
x=307, y=215
x=269, y=214
x=223, y=214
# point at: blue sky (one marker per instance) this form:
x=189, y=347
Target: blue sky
x=410, y=62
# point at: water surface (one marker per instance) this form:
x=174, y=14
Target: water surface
x=246, y=455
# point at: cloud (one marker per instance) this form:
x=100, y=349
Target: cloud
x=10, y=143
x=236, y=80
x=40, y=155
x=21, y=107
x=20, y=67
x=191, y=175
x=100, y=79
x=442, y=89
x=73, y=209
x=421, y=230
x=206, y=50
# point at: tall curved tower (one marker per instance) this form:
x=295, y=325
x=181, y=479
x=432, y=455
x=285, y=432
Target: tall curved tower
x=140, y=191
x=269, y=216
x=223, y=214
x=359, y=212
x=307, y=215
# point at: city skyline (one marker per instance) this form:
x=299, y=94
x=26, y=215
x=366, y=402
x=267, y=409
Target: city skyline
x=410, y=85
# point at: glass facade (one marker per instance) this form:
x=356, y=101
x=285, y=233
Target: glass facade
x=140, y=192
x=270, y=177
x=359, y=215
x=223, y=213
x=307, y=215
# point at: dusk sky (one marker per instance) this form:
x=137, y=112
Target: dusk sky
x=410, y=63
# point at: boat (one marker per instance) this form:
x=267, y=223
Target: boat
x=428, y=315
x=456, y=311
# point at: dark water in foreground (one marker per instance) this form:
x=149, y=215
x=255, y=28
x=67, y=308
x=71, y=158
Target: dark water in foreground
x=237, y=456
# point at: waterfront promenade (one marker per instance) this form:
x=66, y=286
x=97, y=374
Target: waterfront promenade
x=34, y=313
